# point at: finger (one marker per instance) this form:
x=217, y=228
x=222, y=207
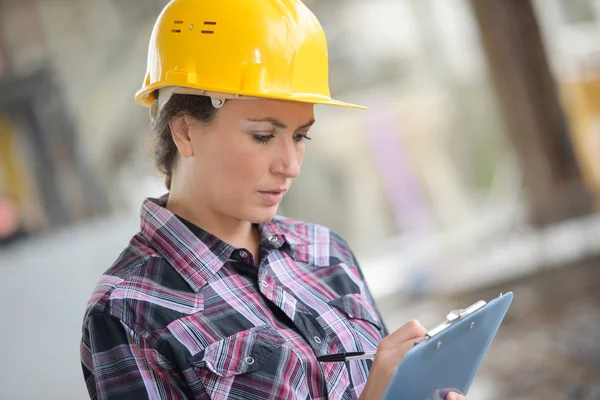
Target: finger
x=408, y=332
x=404, y=347
x=455, y=396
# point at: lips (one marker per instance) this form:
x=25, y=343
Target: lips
x=273, y=197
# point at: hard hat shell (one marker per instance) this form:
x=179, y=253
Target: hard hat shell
x=252, y=48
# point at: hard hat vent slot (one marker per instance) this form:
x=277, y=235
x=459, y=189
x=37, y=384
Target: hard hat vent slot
x=210, y=23
x=175, y=30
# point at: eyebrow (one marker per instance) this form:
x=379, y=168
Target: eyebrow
x=278, y=124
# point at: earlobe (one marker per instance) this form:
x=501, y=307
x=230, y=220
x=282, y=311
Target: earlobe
x=180, y=132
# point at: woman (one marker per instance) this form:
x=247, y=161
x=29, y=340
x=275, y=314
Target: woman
x=216, y=297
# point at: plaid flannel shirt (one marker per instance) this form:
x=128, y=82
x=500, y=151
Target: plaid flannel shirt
x=182, y=314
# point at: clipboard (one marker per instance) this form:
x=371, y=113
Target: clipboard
x=450, y=355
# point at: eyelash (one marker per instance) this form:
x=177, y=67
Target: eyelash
x=265, y=139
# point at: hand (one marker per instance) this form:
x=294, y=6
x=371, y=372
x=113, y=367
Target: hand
x=390, y=352
x=455, y=396
x=449, y=394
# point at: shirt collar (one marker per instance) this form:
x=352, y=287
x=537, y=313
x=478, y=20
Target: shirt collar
x=198, y=259
x=291, y=236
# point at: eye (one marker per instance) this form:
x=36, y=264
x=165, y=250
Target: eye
x=300, y=137
x=264, y=139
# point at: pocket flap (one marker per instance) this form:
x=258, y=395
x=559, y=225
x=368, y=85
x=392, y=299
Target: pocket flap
x=240, y=353
x=355, y=305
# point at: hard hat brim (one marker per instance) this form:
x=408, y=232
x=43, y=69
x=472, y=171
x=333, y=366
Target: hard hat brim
x=145, y=97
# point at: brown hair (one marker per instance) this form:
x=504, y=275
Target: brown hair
x=165, y=151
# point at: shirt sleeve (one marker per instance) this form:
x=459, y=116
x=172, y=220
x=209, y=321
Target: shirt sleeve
x=119, y=364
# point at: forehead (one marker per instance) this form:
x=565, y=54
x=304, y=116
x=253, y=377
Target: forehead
x=291, y=111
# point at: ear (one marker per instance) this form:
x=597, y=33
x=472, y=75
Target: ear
x=181, y=133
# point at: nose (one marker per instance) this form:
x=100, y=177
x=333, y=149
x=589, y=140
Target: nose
x=288, y=159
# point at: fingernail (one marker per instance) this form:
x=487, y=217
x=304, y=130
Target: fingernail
x=451, y=396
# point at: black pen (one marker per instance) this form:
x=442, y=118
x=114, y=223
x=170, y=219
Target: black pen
x=357, y=355
x=339, y=357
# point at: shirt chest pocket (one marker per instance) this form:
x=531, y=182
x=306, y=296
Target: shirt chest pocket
x=366, y=326
x=246, y=365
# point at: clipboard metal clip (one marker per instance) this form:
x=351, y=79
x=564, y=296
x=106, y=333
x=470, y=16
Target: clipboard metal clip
x=454, y=316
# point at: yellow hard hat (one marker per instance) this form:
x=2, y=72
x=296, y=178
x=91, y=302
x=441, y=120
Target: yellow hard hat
x=236, y=49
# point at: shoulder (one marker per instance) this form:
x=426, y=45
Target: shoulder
x=138, y=284
x=319, y=244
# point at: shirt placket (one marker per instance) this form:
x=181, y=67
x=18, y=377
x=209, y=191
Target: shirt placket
x=335, y=374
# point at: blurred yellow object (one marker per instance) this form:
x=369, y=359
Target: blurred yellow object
x=581, y=99
x=12, y=181
x=260, y=48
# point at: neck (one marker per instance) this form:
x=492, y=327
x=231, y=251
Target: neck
x=236, y=232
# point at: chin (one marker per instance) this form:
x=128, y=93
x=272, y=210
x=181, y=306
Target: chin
x=261, y=216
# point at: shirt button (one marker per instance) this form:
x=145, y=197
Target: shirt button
x=273, y=239
x=249, y=360
x=264, y=283
x=317, y=339
x=243, y=254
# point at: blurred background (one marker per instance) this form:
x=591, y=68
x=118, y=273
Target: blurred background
x=476, y=171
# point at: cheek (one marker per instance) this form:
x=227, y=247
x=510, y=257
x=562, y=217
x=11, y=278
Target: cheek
x=245, y=169
x=300, y=154
x=239, y=169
